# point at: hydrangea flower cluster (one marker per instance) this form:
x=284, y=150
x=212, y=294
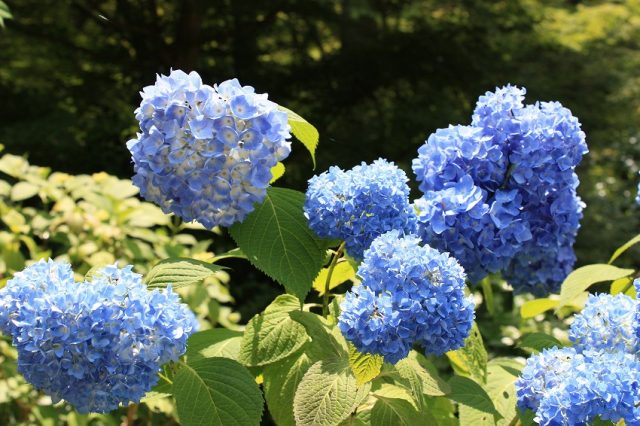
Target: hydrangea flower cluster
x=360, y=204
x=205, y=153
x=598, y=377
x=500, y=193
x=95, y=344
x=409, y=294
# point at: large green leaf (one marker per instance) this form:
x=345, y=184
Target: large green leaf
x=327, y=394
x=538, y=341
x=500, y=388
x=582, y=278
x=273, y=335
x=396, y=406
x=276, y=239
x=471, y=359
x=217, y=392
x=304, y=131
x=179, y=272
x=217, y=342
x=324, y=343
x=281, y=380
x=467, y=392
x=365, y=367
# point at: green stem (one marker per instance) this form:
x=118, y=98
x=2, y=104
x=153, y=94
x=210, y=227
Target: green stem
x=332, y=266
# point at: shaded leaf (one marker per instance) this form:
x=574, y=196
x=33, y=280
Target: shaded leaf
x=179, y=272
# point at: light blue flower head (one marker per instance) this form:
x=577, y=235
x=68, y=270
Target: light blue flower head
x=205, y=153
x=96, y=344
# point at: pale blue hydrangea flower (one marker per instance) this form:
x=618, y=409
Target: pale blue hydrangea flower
x=606, y=323
x=500, y=194
x=409, y=294
x=360, y=204
x=205, y=153
x=565, y=387
x=96, y=344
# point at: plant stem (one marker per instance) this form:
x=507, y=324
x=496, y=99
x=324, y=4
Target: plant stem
x=131, y=414
x=332, y=266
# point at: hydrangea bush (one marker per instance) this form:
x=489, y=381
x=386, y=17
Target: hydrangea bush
x=401, y=345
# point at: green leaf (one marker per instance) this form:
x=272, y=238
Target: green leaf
x=304, y=131
x=422, y=376
x=635, y=240
x=501, y=389
x=623, y=284
x=217, y=342
x=538, y=341
x=531, y=308
x=471, y=359
x=277, y=172
x=324, y=344
x=365, y=367
x=487, y=291
x=327, y=394
x=24, y=190
x=467, y=392
x=217, y=391
x=342, y=272
x=272, y=335
x=179, y=272
x=396, y=406
x=281, y=379
x=582, y=278
x=4, y=13
x=276, y=239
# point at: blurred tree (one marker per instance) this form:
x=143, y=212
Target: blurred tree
x=375, y=76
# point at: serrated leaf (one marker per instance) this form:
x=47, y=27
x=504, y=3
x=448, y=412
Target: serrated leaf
x=217, y=392
x=272, y=335
x=324, y=344
x=538, y=341
x=582, y=278
x=277, y=172
x=217, y=342
x=471, y=359
x=281, y=379
x=365, y=367
x=467, y=392
x=327, y=394
x=626, y=246
x=276, y=239
x=179, y=272
x=23, y=190
x=342, y=272
x=422, y=376
x=531, y=308
x=304, y=131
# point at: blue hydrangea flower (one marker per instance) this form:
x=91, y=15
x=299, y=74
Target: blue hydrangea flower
x=409, y=294
x=205, y=153
x=500, y=194
x=606, y=323
x=96, y=344
x=565, y=387
x=360, y=204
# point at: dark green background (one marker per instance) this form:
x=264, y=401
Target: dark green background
x=376, y=77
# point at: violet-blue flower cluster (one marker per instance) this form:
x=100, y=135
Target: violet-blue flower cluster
x=96, y=344
x=360, y=204
x=409, y=294
x=500, y=193
x=205, y=153
x=599, y=377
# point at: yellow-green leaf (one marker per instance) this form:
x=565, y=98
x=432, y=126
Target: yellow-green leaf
x=304, y=131
x=582, y=278
x=534, y=307
x=276, y=172
x=342, y=272
x=624, y=247
x=23, y=190
x=364, y=366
